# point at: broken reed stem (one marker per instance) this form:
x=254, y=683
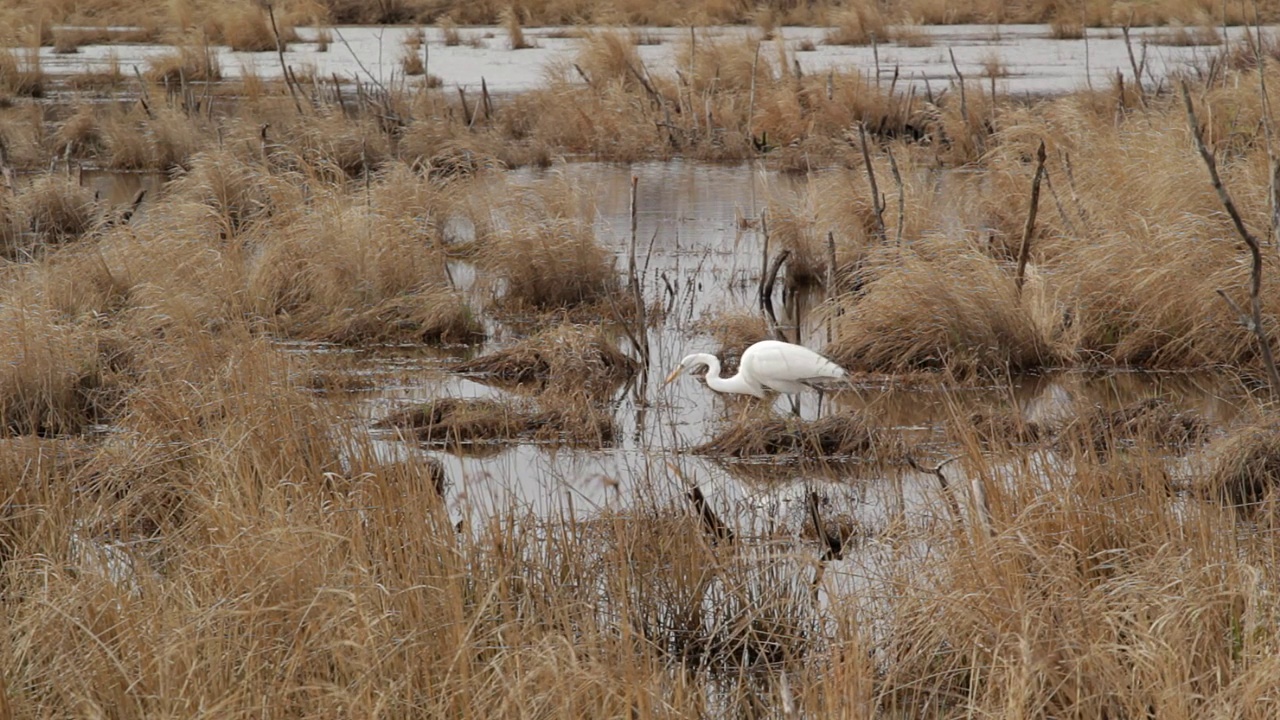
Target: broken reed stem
x=833, y=544
x=293, y=92
x=964, y=105
x=877, y=202
x=633, y=284
x=902, y=195
x=1030, y=227
x=1137, y=70
x=715, y=527
x=1255, y=250
x=766, y=292
x=751, y=96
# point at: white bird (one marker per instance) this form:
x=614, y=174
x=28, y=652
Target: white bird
x=766, y=365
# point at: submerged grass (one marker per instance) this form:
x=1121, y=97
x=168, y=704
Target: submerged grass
x=563, y=357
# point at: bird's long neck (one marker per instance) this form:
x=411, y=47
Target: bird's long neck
x=735, y=384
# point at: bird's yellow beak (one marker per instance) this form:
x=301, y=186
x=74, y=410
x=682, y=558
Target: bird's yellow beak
x=674, y=374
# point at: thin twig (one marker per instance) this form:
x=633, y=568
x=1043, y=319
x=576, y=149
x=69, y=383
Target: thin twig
x=877, y=202
x=271, y=13
x=952, y=504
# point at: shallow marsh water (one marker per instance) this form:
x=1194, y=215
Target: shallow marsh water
x=691, y=213
x=1032, y=61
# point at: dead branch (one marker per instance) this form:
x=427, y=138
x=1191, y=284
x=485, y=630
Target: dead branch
x=1255, y=250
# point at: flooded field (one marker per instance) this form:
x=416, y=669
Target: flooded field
x=1028, y=59
x=343, y=395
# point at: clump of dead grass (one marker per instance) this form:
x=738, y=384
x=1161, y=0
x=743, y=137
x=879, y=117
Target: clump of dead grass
x=21, y=73
x=1001, y=428
x=56, y=209
x=567, y=356
x=246, y=27
x=1150, y=423
x=411, y=53
x=234, y=190
x=544, y=251
x=833, y=437
x=942, y=305
x=515, y=34
x=459, y=422
x=187, y=63
x=1246, y=471
x=859, y=24
x=62, y=378
x=358, y=272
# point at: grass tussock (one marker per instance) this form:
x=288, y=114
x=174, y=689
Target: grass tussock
x=188, y=63
x=544, y=251
x=563, y=357
x=1246, y=470
x=833, y=437
x=999, y=428
x=357, y=272
x=456, y=423
x=21, y=73
x=246, y=27
x=1149, y=423
x=859, y=24
x=56, y=209
x=943, y=305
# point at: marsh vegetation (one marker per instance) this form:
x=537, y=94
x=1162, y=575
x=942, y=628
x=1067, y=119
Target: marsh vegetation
x=328, y=397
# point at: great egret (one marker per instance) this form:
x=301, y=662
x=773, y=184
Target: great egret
x=766, y=365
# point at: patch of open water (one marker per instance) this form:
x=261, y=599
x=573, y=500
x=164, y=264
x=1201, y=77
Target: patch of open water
x=691, y=212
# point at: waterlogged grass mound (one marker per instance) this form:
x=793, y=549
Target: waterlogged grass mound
x=557, y=419
x=832, y=437
x=1247, y=471
x=997, y=427
x=1153, y=422
x=572, y=356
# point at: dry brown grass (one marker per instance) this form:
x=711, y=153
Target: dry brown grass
x=944, y=304
x=544, y=251
x=834, y=437
x=246, y=27
x=411, y=58
x=510, y=21
x=1246, y=470
x=458, y=422
x=56, y=209
x=21, y=73
x=1153, y=423
x=859, y=24
x=188, y=63
x=564, y=357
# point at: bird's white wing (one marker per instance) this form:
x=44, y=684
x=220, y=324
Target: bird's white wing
x=772, y=362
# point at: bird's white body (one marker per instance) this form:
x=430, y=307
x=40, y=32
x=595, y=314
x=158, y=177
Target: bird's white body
x=766, y=365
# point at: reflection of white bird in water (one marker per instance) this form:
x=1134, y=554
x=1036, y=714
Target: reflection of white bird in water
x=766, y=365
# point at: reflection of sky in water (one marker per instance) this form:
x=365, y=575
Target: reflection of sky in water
x=699, y=249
